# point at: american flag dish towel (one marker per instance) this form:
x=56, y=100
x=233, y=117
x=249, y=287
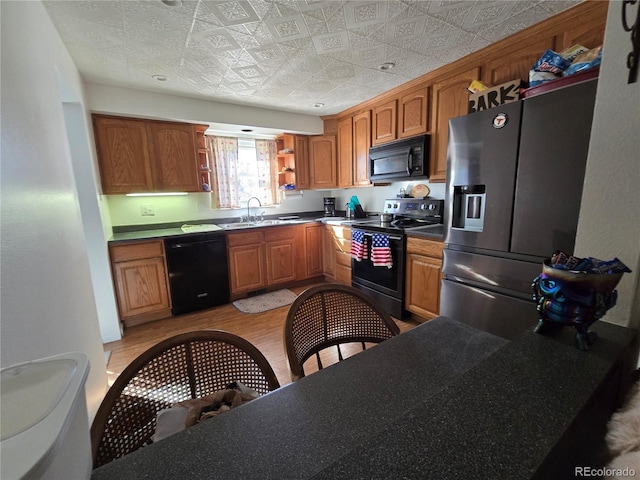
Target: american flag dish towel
x=380, y=251
x=358, y=245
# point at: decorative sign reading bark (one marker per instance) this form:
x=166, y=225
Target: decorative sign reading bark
x=496, y=96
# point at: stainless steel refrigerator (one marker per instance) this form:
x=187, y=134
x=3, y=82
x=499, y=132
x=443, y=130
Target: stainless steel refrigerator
x=514, y=185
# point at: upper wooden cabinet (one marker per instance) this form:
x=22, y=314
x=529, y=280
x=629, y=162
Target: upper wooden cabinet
x=322, y=161
x=301, y=149
x=174, y=163
x=361, y=144
x=384, y=122
x=413, y=113
x=137, y=155
x=123, y=155
x=450, y=99
x=515, y=64
x=426, y=104
x=354, y=140
x=585, y=26
x=345, y=152
x=403, y=117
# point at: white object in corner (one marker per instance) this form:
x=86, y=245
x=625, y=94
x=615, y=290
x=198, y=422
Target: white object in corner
x=44, y=426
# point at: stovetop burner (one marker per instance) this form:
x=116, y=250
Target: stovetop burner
x=407, y=213
x=411, y=222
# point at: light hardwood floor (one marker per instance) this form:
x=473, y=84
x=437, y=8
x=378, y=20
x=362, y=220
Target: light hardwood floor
x=265, y=330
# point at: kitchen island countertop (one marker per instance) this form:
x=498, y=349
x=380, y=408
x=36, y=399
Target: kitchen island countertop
x=443, y=400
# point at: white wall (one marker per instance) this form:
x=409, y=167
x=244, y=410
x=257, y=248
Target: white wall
x=48, y=304
x=197, y=206
x=609, y=224
x=137, y=103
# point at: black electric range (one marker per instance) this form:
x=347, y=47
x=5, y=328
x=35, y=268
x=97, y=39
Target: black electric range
x=407, y=213
x=385, y=282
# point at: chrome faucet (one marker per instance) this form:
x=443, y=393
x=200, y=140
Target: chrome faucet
x=249, y=211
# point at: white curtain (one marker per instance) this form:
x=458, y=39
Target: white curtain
x=266, y=155
x=241, y=170
x=223, y=152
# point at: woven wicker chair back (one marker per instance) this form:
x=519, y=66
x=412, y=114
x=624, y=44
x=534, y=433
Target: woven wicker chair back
x=179, y=368
x=330, y=315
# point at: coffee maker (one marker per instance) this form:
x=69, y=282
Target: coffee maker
x=329, y=206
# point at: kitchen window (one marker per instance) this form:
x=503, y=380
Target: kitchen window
x=242, y=168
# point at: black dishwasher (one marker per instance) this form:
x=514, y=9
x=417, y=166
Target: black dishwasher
x=198, y=271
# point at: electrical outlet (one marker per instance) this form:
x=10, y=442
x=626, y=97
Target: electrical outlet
x=148, y=210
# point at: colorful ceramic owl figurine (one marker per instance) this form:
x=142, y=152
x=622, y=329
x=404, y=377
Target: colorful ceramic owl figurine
x=573, y=298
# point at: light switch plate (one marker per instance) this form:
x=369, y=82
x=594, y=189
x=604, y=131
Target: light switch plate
x=148, y=210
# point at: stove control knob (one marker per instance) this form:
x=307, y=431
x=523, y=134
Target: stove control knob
x=432, y=206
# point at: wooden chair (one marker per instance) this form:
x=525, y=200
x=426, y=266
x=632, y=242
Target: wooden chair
x=179, y=368
x=330, y=315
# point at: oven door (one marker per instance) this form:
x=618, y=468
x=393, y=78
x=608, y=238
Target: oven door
x=388, y=281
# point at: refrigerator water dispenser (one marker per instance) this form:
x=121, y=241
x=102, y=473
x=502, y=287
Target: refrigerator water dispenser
x=468, y=209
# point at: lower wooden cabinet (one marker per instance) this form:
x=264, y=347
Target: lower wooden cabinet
x=423, y=277
x=280, y=250
x=312, y=253
x=272, y=256
x=141, y=282
x=246, y=261
x=336, y=254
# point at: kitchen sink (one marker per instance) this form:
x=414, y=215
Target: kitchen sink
x=237, y=226
x=262, y=223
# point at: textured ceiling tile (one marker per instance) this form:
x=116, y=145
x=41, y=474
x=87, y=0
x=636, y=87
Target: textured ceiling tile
x=244, y=40
x=316, y=27
x=494, y=32
x=370, y=56
x=267, y=54
x=217, y=41
x=300, y=50
x=232, y=12
x=331, y=42
x=260, y=7
x=398, y=9
x=405, y=29
x=287, y=28
x=362, y=14
x=454, y=13
x=286, y=8
x=487, y=14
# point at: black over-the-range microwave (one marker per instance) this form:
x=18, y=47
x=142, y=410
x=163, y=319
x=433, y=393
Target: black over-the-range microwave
x=408, y=158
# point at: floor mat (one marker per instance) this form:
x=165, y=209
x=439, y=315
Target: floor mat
x=267, y=301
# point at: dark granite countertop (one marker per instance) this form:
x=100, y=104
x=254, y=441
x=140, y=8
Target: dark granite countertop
x=443, y=400
x=154, y=231
x=431, y=232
